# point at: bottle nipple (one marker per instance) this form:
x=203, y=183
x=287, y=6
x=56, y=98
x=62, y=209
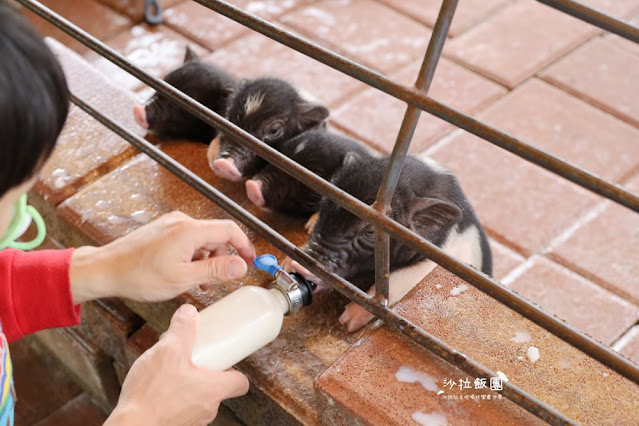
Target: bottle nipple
x=297, y=289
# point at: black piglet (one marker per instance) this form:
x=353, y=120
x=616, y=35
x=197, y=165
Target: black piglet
x=206, y=83
x=320, y=151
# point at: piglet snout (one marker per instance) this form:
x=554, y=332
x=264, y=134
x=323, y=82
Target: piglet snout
x=226, y=169
x=254, y=192
x=320, y=285
x=140, y=116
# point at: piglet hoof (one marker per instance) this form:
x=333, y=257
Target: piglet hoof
x=254, y=192
x=225, y=168
x=140, y=116
x=355, y=317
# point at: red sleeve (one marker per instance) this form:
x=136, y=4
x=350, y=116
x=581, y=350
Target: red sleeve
x=35, y=292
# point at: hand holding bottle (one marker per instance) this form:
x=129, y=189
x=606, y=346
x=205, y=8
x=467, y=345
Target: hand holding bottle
x=164, y=387
x=160, y=260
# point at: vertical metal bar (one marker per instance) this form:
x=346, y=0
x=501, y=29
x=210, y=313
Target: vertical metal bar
x=382, y=266
x=404, y=138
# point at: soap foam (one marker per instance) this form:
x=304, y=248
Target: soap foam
x=533, y=354
x=456, y=291
x=521, y=337
x=408, y=375
x=430, y=419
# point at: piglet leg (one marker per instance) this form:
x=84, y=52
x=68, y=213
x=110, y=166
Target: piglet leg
x=355, y=317
x=254, y=192
x=140, y=116
x=213, y=151
x=400, y=283
x=311, y=223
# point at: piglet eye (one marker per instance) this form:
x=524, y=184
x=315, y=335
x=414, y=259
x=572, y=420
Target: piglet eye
x=276, y=131
x=368, y=232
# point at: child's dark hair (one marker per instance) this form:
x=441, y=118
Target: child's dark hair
x=34, y=100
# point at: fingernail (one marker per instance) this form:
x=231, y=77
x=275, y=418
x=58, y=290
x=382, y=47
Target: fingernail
x=187, y=311
x=235, y=268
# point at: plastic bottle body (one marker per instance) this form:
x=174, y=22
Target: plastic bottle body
x=238, y=325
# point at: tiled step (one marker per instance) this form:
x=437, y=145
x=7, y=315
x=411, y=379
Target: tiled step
x=512, y=196
x=364, y=386
x=91, y=367
x=134, y=9
x=42, y=385
x=386, y=42
x=90, y=15
x=513, y=45
x=157, y=49
x=109, y=323
x=139, y=342
x=86, y=149
x=467, y=14
x=628, y=345
x=80, y=411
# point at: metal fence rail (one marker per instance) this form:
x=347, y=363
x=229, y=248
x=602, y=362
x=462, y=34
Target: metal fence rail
x=416, y=100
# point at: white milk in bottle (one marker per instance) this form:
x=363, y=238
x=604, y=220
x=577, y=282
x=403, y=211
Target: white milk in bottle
x=249, y=318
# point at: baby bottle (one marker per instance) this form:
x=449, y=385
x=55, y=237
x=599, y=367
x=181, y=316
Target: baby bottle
x=249, y=318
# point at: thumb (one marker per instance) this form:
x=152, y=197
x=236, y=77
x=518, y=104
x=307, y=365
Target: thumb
x=184, y=326
x=218, y=268
x=232, y=384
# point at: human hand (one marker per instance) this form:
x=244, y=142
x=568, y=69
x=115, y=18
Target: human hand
x=161, y=260
x=164, y=387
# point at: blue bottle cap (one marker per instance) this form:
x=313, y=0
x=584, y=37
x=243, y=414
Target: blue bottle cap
x=268, y=263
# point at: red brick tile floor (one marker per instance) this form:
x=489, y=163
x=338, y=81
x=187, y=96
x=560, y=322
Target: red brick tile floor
x=563, y=85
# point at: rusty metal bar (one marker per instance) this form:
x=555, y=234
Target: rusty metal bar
x=382, y=266
x=414, y=97
x=402, y=144
x=426, y=340
x=484, y=283
x=595, y=17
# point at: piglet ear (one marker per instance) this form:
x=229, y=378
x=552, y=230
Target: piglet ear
x=312, y=114
x=190, y=55
x=430, y=216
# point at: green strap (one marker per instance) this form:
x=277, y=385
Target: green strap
x=22, y=212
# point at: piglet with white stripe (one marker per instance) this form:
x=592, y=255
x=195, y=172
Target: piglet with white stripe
x=273, y=111
x=428, y=200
